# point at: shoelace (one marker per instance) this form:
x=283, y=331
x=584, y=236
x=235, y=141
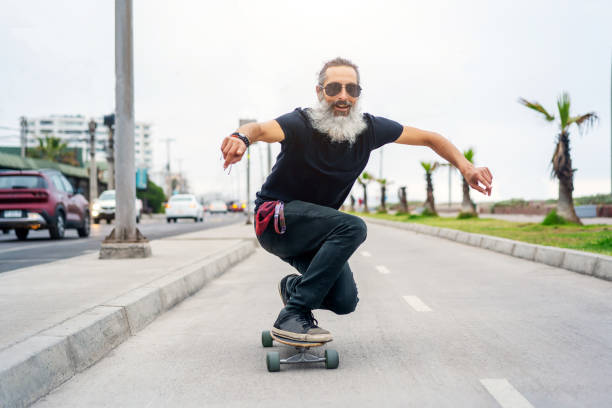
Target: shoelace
x=308, y=320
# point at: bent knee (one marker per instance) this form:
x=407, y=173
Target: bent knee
x=359, y=228
x=346, y=307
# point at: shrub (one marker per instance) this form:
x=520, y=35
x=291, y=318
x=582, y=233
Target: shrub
x=465, y=215
x=552, y=218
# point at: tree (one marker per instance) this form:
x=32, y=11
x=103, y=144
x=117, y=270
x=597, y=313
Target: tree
x=364, y=180
x=383, y=193
x=53, y=149
x=153, y=197
x=401, y=195
x=467, y=205
x=430, y=205
x=561, y=159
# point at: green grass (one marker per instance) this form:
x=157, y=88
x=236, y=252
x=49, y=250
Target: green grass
x=590, y=238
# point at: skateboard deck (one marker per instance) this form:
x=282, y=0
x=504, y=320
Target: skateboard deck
x=297, y=343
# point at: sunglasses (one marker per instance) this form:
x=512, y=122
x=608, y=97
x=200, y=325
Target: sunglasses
x=334, y=88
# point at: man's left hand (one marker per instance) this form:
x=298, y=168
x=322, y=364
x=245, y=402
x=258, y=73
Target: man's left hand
x=475, y=176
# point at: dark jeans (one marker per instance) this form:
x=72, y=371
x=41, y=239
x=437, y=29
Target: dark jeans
x=318, y=243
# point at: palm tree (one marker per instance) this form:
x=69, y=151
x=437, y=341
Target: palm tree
x=364, y=180
x=401, y=195
x=561, y=160
x=430, y=205
x=467, y=205
x=54, y=149
x=383, y=192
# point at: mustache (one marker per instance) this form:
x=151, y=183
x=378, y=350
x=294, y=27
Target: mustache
x=342, y=104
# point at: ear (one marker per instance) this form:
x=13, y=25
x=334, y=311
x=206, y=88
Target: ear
x=319, y=91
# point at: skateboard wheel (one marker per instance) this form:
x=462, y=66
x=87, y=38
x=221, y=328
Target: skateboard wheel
x=266, y=338
x=331, y=359
x=273, y=361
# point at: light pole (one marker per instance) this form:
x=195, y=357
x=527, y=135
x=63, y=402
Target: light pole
x=248, y=153
x=24, y=136
x=125, y=240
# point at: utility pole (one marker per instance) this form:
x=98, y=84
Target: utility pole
x=109, y=122
x=248, y=153
x=93, y=171
x=125, y=240
x=24, y=136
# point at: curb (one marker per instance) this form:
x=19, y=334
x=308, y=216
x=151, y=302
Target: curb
x=598, y=266
x=32, y=368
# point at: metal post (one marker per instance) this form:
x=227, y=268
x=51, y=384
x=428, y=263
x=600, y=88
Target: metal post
x=24, y=136
x=93, y=171
x=269, y=158
x=125, y=241
x=450, y=167
x=248, y=153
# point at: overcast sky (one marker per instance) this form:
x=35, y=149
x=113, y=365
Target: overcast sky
x=454, y=67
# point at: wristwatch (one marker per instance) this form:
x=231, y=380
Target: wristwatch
x=242, y=137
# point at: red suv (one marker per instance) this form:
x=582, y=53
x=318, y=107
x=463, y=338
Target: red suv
x=41, y=199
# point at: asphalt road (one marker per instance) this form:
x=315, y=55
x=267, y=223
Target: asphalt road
x=439, y=324
x=39, y=248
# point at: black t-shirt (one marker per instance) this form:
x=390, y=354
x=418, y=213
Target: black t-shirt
x=312, y=168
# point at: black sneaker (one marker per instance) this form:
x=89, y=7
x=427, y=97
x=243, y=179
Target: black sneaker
x=300, y=325
x=282, y=288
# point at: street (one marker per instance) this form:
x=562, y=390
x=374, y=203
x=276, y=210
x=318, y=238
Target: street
x=39, y=248
x=439, y=324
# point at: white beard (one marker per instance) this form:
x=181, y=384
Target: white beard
x=337, y=127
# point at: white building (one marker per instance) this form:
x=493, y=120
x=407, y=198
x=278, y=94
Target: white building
x=74, y=129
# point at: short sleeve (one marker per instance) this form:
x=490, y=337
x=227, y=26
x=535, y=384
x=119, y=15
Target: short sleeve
x=385, y=130
x=293, y=126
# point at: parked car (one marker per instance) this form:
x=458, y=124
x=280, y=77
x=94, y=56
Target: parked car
x=41, y=199
x=104, y=207
x=184, y=206
x=217, y=207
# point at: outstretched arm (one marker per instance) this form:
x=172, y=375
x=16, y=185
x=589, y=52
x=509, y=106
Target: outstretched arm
x=438, y=143
x=233, y=148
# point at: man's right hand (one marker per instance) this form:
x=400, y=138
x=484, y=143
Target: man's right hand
x=233, y=149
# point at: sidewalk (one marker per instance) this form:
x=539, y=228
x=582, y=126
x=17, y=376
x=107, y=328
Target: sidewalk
x=59, y=318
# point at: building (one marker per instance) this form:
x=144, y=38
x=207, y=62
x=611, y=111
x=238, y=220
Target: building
x=74, y=129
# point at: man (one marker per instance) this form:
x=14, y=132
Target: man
x=323, y=151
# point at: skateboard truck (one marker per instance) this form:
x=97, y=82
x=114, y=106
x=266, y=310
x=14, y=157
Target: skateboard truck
x=273, y=360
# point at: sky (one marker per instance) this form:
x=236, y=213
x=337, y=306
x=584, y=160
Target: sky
x=453, y=67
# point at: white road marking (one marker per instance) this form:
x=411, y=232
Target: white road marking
x=504, y=393
x=366, y=253
x=382, y=269
x=417, y=304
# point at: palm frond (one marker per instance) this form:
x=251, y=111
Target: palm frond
x=584, y=122
x=426, y=166
x=469, y=155
x=537, y=107
x=563, y=104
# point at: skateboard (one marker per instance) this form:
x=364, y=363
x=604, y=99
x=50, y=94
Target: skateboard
x=273, y=360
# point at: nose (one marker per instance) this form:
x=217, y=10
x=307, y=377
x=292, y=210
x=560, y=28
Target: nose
x=343, y=96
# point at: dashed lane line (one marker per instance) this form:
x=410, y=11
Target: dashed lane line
x=504, y=393
x=383, y=269
x=417, y=304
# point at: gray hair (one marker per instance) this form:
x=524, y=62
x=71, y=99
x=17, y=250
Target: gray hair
x=336, y=62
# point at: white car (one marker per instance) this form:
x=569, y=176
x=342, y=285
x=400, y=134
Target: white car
x=104, y=207
x=217, y=207
x=184, y=206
